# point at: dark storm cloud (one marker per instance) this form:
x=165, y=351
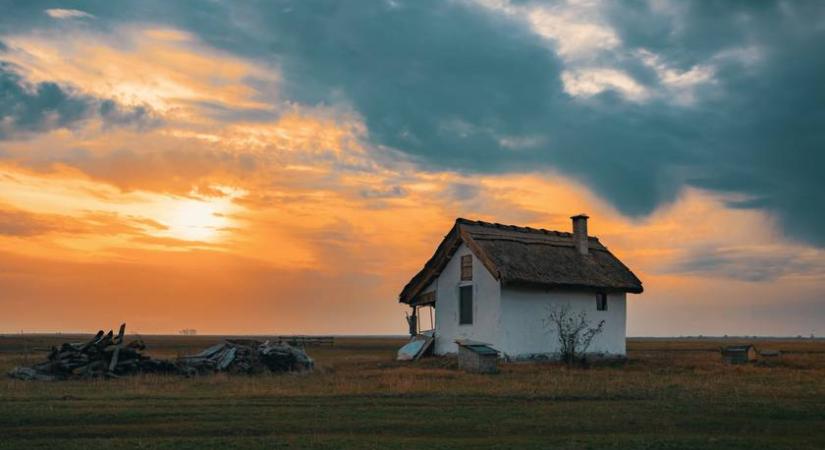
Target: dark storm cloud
x=26, y=107
x=746, y=264
x=446, y=82
x=763, y=132
x=114, y=114
x=36, y=108
x=449, y=82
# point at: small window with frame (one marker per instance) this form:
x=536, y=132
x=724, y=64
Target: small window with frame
x=601, y=301
x=467, y=268
x=465, y=305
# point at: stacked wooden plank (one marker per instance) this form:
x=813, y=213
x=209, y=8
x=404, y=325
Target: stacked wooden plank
x=105, y=355
x=247, y=356
x=108, y=356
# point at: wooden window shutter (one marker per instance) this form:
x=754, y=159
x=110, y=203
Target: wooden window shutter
x=467, y=268
x=465, y=305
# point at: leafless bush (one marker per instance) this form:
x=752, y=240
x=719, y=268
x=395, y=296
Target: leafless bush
x=574, y=332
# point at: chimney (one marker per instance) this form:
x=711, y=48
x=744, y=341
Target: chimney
x=580, y=233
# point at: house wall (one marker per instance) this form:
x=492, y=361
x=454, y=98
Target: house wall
x=486, y=305
x=511, y=319
x=523, y=331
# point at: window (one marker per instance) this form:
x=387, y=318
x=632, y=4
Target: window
x=467, y=268
x=465, y=305
x=601, y=301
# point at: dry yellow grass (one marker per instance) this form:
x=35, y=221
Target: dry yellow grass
x=669, y=393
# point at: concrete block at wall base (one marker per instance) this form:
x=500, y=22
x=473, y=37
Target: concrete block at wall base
x=539, y=357
x=470, y=361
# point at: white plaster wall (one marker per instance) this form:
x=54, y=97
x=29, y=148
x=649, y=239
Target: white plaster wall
x=523, y=331
x=486, y=305
x=511, y=319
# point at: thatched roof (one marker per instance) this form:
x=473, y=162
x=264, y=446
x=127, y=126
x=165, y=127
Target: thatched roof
x=527, y=257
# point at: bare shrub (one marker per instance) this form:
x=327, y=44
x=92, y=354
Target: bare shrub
x=574, y=332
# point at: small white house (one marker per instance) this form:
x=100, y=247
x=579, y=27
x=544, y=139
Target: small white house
x=496, y=283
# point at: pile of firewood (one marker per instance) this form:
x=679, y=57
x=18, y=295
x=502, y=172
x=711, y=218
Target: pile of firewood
x=247, y=356
x=106, y=355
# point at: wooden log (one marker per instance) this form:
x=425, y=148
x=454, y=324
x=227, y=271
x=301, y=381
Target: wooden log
x=67, y=347
x=96, y=366
x=64, y=355
x=210, y=351
x=120, y=334
x=27, y=373
x=126, y=367
x=92, y=341
x=105, y=341
x=117, y=343
x=102, y=335
x=226, y=359
x=113, y=362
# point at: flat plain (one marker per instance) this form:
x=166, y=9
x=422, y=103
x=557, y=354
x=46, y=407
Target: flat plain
x=669, y=393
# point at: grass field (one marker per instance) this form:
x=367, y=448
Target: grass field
x=670, y=393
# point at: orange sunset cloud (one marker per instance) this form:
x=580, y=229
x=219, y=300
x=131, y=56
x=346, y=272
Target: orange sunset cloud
x=185, y=181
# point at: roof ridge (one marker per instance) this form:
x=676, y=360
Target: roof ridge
x=599, y=248
x=500, y=226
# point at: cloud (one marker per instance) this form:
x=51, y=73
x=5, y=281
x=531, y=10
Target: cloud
x=328, y=232
x=301, y=150
x=168, y=69
x=455, y=78
x=681, y=85
x=576, y=29
x=114, y=114
x=29, y=108
x=58, y=13
x=21, y=223
x=389, y=192
x=36, y=108
x=462, y=192
x=750, y=264
x=171, y=242
x=667, y=95
x=185, y=153
x=591, y=81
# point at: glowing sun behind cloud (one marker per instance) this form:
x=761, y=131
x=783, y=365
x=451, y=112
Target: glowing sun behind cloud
x=196, y=219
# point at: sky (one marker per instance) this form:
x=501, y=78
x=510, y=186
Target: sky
x=286, y=166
